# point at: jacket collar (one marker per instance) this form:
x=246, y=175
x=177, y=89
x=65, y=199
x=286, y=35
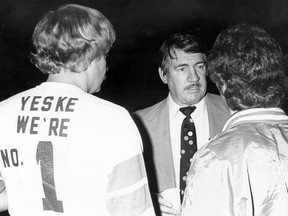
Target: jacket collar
x=256, y=115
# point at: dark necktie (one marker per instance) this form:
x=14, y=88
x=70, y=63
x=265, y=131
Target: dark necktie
x=188, y=145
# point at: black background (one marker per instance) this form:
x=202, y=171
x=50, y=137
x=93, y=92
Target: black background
x=141, y=27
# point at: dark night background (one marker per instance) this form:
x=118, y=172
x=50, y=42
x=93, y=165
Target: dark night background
x=141, y=27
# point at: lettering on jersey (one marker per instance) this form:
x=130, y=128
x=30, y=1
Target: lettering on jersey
x=23, y=122
x=10, y=157
x=56, y=126
x=49, y=103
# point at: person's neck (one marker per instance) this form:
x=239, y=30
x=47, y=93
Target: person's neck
x=72, y=79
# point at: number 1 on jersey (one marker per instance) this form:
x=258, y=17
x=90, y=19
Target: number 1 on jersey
x=44, y=155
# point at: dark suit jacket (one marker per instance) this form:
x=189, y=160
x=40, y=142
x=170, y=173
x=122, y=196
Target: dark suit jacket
x=153, y=124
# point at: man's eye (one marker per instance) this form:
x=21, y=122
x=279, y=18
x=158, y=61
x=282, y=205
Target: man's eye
x=180, y=69
x=200, y=67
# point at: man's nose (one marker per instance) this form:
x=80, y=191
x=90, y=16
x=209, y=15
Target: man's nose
x=192, y=75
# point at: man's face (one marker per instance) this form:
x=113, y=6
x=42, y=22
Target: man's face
x=186, y=78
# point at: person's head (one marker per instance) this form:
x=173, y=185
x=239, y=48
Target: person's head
x=71, y=39
x=182, y=68
x=247, y=66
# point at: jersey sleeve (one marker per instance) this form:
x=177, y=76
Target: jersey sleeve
x=2, y=184
x=128, y=190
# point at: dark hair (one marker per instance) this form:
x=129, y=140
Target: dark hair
x=250, y=63
x=71, y=37
x=184, y=42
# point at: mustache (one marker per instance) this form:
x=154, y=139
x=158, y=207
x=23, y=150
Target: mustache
x=192, y=86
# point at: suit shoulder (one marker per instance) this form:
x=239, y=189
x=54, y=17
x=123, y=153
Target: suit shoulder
x=146, y=111
x=216, y=100
x=215, y=97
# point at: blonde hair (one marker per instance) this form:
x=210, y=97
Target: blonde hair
x=71, y=38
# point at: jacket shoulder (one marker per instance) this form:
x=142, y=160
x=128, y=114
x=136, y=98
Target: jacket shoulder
x=148, y=110
x=216, y=100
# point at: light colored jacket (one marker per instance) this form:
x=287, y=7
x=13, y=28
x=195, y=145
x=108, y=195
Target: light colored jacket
x=244, y=170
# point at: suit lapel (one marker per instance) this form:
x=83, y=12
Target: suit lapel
x=158, y=121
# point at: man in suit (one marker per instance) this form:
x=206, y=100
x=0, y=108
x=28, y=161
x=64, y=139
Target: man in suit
x=182, y=68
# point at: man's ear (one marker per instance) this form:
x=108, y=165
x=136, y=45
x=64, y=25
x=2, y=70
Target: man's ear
x=222, y=89
x=204, y=57
x=162, y=75
x=205, y=61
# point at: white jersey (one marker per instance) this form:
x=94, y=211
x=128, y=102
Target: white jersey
x=66, y=152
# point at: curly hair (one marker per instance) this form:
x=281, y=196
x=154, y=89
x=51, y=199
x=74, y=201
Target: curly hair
x=71, y=38
x=184, y=42
x=251, y=65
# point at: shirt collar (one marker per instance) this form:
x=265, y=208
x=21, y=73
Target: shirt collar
x=61, y=85
x=174, y=107
x=256, y=115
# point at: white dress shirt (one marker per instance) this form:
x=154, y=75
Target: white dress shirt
x=200, y=118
